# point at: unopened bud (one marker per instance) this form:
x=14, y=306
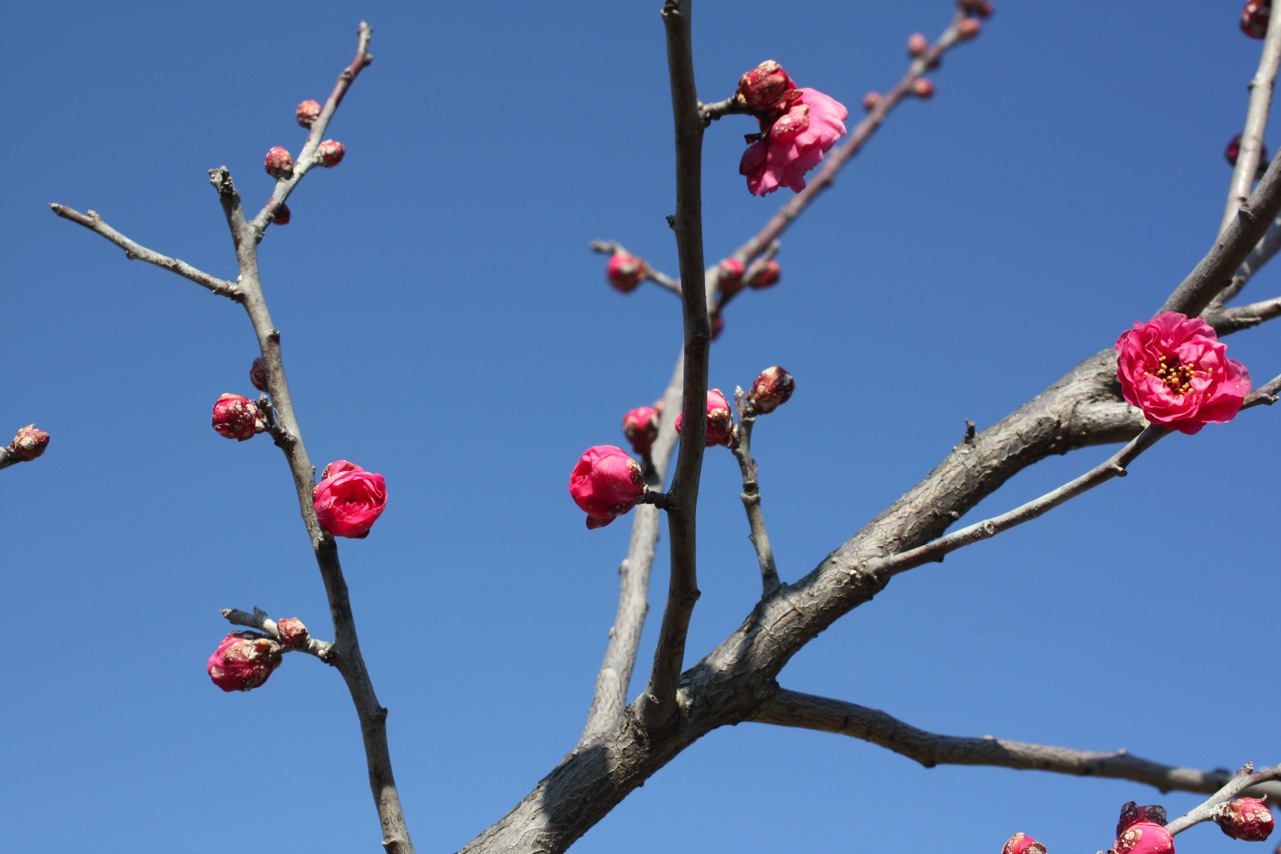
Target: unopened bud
x=258, y=373
x=870, y=100
x=720, y=422
x=764, y=86
x=640, y=426
x=307, y=113
x=923, y=88
x=282, y=214
x=969, y=28
x=279, y=163
x=292, y=632
x=243, y=661
x=625, y=271
x=917, y=44
x=771, y=390
x=330, y=152
x=1144, y=837
x=29, y=443
x=729, y=276
x=605, y=484
x=237, y=417
x=1248, y=819
x=1132, y=813
x=1254, y=18
x=1021, y=843
x=763, y=274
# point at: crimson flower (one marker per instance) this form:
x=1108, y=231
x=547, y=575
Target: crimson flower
x=605, y=484
x=794, y=143
x=243, y=661
x=348, y=499
x=1177, y=371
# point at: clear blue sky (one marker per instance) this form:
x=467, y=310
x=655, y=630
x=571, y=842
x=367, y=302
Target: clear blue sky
x=445, y=324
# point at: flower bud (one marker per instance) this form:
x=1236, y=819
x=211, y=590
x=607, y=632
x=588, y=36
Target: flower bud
x=771, y=390
x=720, y=423
x=279, y=163
x=29, y=443
x=1021, y=843
x=625, y=271
x=237, y=417
x=968, y=29
x=243, y=661
x=729, y=276
x=763, y=274
x=870, y=100
x=640, y=426
x=282, y=214
x=258, y=373
x=1233, y=151
x=917, y=45
x=1254, y=18
x=1248, y=819
x=330, y=152
x=764, y=87
x=307, y=112
x=292, y=632
x=605, y=484
x=1144, y=837
x=923, y=88
x=1132, y=813
x=718, y=325
x=348, y=500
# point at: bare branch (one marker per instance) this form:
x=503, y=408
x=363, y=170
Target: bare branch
x=136, y=251
x=806, y=711
x=1256, y=123
x=258, y=619
x=751, y=494
x=1241, y=781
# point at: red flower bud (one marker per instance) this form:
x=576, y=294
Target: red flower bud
x=771, y=390
x=605, y=484
x=1254, y=18
x=279, y=163
x=29, y=443
x=923, y=88
x=1144, y=837
x=625, y=271
x=348, y=500
x=640, y=426
x=292, y=632
x=1233, y=151
x=258, y=373
x=1132, y=813
x=330, y=152
x=237, y=417
x=978, y=8
x=1248, y=819
x=763, y=274
x=729, y=276
x=307, y=112
x=764, y=87
x=917, y=44
x=720, y=423
x=968, y=29
x=243, y=661
x=1021, y=843
x=870, y=100
x=282, y=214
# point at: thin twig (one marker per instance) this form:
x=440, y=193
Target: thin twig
x=258, y=619
x=658, y=277
x=136, y=251
x=1241, y=781
x=1256, y=123
x=751, y=494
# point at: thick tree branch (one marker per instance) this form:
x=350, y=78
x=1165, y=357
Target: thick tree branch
x=806, y=711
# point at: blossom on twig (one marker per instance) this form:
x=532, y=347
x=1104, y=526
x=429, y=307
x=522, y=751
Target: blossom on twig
x=605, y=484
x=348, y=499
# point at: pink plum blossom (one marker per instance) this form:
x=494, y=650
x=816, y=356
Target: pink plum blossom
x=1144, y=837
x=1176, y=370
x=720, y=423
x=640, y=426
x=348, y=499
x=605, y=484
x=243, y=661
x=794, y=143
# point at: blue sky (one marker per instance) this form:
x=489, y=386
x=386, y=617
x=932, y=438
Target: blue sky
x=444, y=324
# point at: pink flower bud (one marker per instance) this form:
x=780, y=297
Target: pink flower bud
x=625, y=271
x=923, y=88
x=1021, y=843
x=348, y=500
x=870, y=100
x=292, y=632
x=771, y=390
x=1144, y=837
x=720, y=422
x=258, y=373
x=729, y=276
x=307, y=113
x=917, y=44
x=763, y=274
x=237, y=417
x=1254, y=18
x=1132, y=813
x=330, y=152
x=764, y=87
x=1248, y=819
x=605, y=484
x=640, y=426
x=29, y=443
x=968, y=29
x=279, y=163
x=243, y=661
x=282, y=214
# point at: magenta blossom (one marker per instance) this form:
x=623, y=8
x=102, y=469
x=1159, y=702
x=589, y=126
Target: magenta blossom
x=1144, y=837
x=794, y=143
x=348, y=499
x=605, y=484
x=243, y=661
x=1177, y=371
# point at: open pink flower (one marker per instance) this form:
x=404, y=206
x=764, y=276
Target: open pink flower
x=348, y=499
x=605, y=484
x=1177, y=371
x=794, y=143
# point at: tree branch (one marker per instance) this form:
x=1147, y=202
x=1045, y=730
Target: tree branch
x=751, y=495
x=1256, y=123
x=1240, y=781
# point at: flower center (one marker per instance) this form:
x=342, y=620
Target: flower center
x=1177, y=376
